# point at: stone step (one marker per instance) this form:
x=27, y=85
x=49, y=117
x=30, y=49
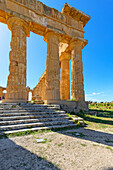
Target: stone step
x=29, y=113
x=27, y=104
x=42, y=128
x=19, y=118
x=39, y=102
x=31, y=116
x=30, y=125
x=24, y=121
x=27, y=109
x=32, y=106
x=24, y=110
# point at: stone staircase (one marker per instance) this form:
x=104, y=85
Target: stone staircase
x=23, y=117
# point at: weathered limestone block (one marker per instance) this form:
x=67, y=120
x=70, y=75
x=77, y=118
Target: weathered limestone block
x=65, y=76
x=62, y=48
x=16, y=84
x=41, y=86
x=1, y=92
x=52, y=67
x=2, y=95
x=77, y=85
x=39, y=90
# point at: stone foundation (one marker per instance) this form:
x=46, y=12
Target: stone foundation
x=70, y=106
x=14, y=101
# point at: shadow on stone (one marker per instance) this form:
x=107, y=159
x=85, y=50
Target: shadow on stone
x=13, y=156
x=91, y=135
x=111, y=168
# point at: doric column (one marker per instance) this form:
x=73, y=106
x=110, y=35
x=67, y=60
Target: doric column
x=65, y=76
x=52, y=68
x=77, y=85
x=16, y=84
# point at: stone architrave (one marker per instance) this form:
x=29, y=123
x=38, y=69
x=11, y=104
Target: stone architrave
x=52, y=82
x=77, y=82
x=65, y=76
x=16, y=84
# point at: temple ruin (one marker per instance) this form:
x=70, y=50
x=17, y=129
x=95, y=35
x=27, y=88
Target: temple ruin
x=64, y=35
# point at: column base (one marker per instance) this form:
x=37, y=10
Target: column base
x=13, y=101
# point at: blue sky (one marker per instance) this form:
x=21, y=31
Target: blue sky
x=97, y=55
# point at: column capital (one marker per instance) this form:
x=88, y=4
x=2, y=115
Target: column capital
x=78, y=42
x=65, y=56
x=50, y=33
x=15, y=21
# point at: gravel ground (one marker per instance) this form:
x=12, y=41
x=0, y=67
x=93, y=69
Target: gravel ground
x=78, y=149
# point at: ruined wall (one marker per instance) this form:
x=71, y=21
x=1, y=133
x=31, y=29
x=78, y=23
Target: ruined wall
x=1, y=92
x=40, y=88
x=2, y=95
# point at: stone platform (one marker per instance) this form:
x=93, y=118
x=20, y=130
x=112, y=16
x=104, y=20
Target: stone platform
x=70, y=106
x=6, y=101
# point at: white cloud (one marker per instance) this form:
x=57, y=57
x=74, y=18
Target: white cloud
x=92, y=94
x=94, y=100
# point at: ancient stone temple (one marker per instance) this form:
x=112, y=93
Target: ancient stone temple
x=64, y=35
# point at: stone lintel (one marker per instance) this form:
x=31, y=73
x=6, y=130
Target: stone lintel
x=76, y=14
x=40, y=17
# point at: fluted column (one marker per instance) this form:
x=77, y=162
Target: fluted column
x=77, y=85
x=52, y=81
x=65, y=76
x=16, y=84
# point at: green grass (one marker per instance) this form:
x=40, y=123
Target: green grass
x=83, y=144
x=30, y=132
x=95, y=145
x=60, y=144
x=100, y=120
x=77, y=122
x=108, y=147
x=13, y=106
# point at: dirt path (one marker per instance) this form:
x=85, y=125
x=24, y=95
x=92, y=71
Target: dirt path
x=79, y=149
